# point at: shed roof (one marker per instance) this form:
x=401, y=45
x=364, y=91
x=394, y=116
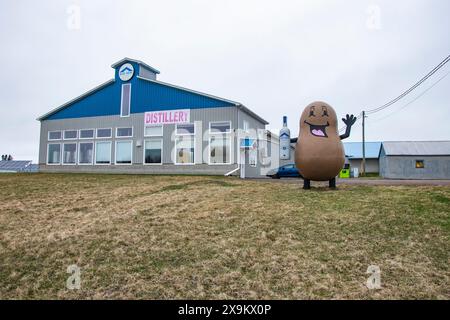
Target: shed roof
x=417, y=148
x=353, y=150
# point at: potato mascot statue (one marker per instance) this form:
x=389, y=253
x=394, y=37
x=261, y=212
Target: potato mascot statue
x=319, y=153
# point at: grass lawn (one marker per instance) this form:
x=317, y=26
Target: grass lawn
x=167, y=237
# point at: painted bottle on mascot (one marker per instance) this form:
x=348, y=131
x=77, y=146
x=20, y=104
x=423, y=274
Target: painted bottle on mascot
x=285, y=141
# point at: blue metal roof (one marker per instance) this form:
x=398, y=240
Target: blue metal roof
x=353, y=150
x=147, y=95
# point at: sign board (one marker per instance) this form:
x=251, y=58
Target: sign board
x=167, y=117
x=126, y=72
x=248, y=143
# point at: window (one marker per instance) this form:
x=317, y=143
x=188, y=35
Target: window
x=87, y=134
x=124, y=152
x=54, y=135
x=420, y=164
x=70, y=153
x=54, y=153
x=185, y=129
x=104, y=133
x=152, y=131
x=153, y=151
x=219, y=127
x=219, y=149
x=246, y=126
x=86, y=153
x=253, y=157
x=126, y=99
x=103, y=152
x=184, y=150
x=70, y=134
x=219, y=142
x=124, y=132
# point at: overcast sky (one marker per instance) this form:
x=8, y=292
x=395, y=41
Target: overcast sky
x=275, y=57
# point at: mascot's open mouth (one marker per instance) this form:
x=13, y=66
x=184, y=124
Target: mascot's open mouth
x=318, y=130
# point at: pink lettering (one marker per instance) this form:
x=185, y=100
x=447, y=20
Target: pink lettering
x=161, y=117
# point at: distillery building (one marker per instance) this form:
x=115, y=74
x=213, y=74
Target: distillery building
x=135, y=123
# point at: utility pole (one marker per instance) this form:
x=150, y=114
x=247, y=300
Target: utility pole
x=363, y=173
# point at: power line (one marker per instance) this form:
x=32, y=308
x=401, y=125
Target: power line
x=439, y=66
x=386, y=105
x=415, y=99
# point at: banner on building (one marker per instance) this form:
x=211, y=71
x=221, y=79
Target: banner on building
x=167, y=117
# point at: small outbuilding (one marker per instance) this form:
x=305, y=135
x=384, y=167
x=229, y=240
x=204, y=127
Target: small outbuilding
x=415, y=160
x=354, y=155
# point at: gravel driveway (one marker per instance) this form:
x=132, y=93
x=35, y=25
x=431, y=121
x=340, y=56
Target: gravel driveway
x=368, y=182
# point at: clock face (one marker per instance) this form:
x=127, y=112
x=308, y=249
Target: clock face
x=126, y=72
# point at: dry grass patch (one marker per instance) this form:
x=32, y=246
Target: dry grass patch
x=160, y=237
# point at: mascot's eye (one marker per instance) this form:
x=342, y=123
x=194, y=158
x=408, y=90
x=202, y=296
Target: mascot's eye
x=311, y=112
x=325, y=112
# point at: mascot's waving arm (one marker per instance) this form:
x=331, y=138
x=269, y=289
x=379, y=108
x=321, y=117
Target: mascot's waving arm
x=349, y=121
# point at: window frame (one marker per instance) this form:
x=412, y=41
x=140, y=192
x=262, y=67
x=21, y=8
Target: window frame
x=226, y=135
x=60, y=132
x=121, y=101
x=175, y=150
x=115, y=153
x=90, y=138
x=162, y=152
x=154, y=125
x=96, y=133
x=225, y=121
x=79, y=153
x=60, y=152
x=110, y=153
x=184, y=134
x=76, y=154
x=245, y=126
x=69, y=139
x=125, y=137
x=423, y=164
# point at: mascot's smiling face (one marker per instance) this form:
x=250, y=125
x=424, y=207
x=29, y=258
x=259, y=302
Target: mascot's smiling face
x=318, y=118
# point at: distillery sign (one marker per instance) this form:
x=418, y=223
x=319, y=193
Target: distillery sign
x=167, y=117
